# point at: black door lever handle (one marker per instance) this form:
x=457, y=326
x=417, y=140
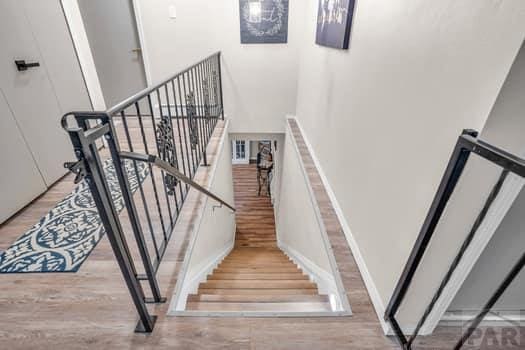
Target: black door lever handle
x=21, y=65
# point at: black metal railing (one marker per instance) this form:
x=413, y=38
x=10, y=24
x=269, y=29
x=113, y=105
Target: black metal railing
x=161, y=133
x=466, y=144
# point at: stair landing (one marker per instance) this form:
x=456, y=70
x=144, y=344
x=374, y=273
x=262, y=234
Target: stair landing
x=256, y=277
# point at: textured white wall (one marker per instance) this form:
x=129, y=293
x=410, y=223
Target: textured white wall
x=383, y=116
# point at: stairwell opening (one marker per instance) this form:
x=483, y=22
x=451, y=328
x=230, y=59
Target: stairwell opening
x=257, y=274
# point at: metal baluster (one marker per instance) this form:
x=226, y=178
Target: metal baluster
x=195, y=125
x=153, y=123
x=183, y=195
x=135, y=167
x=218, y=60
x=163, y=174
x=184, y=129
x=174, y=141
x=193, y=157
x=214, y=96
x=153, y=183
x=164, y=137
x=200, y=109
x=206, y=98
x=212, y=126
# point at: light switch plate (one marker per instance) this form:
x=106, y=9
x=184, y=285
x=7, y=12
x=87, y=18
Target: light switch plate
x=172, y=11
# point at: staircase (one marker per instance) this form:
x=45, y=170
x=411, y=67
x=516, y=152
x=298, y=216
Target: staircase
x=256, y=276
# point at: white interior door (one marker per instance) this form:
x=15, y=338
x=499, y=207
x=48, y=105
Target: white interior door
x=30, y=94
x=20, y=180
x=241, y=152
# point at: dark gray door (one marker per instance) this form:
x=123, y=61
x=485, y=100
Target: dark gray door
x=112, y=33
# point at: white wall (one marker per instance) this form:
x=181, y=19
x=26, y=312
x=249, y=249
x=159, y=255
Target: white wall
x=259, y=80
x=214, y=233
x=383, y=116
x=296, y=222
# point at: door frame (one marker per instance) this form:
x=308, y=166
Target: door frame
x=142, y=40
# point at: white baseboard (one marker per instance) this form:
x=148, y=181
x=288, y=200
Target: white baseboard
x=363, y=269
x=324, y=279
x=191, y=283
x=492, y=319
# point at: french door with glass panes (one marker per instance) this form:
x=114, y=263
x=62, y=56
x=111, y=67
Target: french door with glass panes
x=240, y=152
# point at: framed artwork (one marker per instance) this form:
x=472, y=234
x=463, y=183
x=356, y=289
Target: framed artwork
x=334, y=20
x=264, y=21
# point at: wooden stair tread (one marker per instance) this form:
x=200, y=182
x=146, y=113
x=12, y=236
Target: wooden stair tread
x=255, y=284
x=241, y=264
x=258, y=276
x=254, y=269
x=239, y=291
x=256, y=298
x=262, y=307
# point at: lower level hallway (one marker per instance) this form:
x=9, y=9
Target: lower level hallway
x=256, y=276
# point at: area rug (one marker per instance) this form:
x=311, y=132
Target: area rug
x=63, y=239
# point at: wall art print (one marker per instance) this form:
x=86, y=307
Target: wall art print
x=264, y=21
x=334, y=21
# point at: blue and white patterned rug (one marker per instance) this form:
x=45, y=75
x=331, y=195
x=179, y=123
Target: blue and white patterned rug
x=63, y=239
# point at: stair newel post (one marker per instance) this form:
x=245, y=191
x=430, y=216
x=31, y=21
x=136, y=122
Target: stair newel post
x=91, y=168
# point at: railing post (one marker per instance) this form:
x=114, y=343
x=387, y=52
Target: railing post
x=87, y=153
x=132, y=213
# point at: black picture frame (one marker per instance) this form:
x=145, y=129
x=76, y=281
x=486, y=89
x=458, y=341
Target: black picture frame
x=334, y=23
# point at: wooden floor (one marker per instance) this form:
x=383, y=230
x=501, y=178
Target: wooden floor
x=256, y=276
x=91, y=309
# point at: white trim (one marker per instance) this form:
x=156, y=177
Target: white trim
x=83, y=49
x=142, y=41
x=502, y=203
x=191, y=283
x=178, y=295
x=492, y=319
x=341, y=291
x=272, y=314
x=325, y=280
x=363, y=269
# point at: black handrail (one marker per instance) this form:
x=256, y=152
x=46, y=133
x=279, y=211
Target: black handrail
x=149, y=158
x=467, y=143
x=145, y=92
